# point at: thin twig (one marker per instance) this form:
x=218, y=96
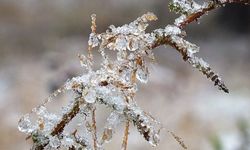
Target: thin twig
x=213, y=4
x=178, y=139
x=125, y=137
x=94, y=128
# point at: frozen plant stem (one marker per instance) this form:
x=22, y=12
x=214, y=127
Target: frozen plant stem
x=125, y=138
x=94, y=128
x=115, y=83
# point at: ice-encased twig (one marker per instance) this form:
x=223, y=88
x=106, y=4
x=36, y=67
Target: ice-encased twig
x=187, y=51
x=117, y=79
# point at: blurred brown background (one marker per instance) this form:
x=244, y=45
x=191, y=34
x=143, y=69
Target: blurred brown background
x=40, y=39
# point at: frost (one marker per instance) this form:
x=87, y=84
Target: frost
x=180, y=20
x=67, y=141
x=91, y=96
x=149, y=39
x=172, y=30
x=145, y=124
x=54, y=142
x=180, y=42
x=185, y=6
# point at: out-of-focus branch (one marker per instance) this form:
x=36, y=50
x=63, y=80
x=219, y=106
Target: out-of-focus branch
x=196, y=62
x=213, y=4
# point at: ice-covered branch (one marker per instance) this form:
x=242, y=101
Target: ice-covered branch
x=191, y=11
x=115, y=83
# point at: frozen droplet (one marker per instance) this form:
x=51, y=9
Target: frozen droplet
x=142, y=75
x=25, y=125
x=142, y=27
x=133, y=45
x=121, y=55
x=126, y=76
x=83, y=61
x=41, y=111
x=93, y=40
x=54, y=142
x=91, y=96
x=121, y=43
x=107, y=135
x=112, y=27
